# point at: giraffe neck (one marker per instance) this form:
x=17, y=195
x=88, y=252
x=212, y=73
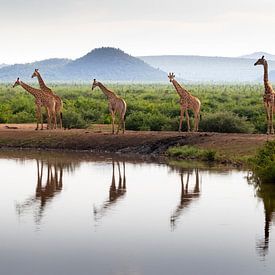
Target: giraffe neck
x=181, y=91
x=107, y=92
x=30, y=89
x=267, y=85
x=265, y=72
x=42, y=84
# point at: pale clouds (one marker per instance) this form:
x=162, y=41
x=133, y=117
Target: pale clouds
x=32, y=30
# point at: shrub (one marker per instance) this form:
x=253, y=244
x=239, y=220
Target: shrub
x=135, y=121
x=72, y=119
x=191, y=152
x=22, y=117
x=264, y=163
x=225, y=122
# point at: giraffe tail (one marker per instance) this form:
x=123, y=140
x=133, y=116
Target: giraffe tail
x=200, y=117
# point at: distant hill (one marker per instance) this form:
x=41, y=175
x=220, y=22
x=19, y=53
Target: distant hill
x=209, y=69
x=110, y=64
x=49, y=69
x=258, y=55
x=106, y=64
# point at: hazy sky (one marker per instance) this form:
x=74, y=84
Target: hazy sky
x=34, y=30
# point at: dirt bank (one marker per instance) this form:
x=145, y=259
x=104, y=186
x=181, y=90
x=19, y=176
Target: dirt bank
x=99, y=139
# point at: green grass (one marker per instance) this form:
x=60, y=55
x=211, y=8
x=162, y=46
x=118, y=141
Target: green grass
x=225, y=108
x=263, y=164
x=191, y=152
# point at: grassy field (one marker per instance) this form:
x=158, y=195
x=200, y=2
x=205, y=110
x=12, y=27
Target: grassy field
x=225, y=108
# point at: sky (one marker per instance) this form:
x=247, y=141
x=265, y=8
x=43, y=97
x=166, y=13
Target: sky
x=34, y=30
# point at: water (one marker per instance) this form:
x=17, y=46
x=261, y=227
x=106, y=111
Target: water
x=85, y=214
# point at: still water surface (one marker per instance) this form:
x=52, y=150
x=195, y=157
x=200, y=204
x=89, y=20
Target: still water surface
x=70, y=214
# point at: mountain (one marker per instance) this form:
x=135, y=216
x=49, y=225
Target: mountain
x=110, y=64
x=209, y=69
x=48, y=67
x=258, y=55
x=106, y=64
x=2, y=65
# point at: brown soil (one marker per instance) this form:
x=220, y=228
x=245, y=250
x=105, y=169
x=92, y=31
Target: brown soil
x=99, y=139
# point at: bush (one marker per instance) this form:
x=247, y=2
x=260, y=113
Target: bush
x=72, y=119
x=191, y=152
x=22, y=117
x=264, y=163
x=135, y=121
x=225, y=122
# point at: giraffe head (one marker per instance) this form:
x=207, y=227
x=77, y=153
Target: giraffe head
x=95, y=84
x=35, y=73
x=16, y=83
x=260, y=61
x=171, y=76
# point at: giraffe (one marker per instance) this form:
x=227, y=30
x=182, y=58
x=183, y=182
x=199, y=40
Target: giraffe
x=268, y=97
x=187, y=101
x=117, y=105
x=47, y=90
x=41, y=99
x=116, y=192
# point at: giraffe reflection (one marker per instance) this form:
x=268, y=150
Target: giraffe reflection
x=49, y=184
x=267, y=193
x=116, y=193
x=188, y=194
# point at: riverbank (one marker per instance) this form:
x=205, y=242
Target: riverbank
x=229, y=147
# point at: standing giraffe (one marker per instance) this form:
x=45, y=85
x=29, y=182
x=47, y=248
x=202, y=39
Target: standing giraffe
x=187, y=101
x=41, y=99
x=117, y=105
x=269, y=96
x=47, y=90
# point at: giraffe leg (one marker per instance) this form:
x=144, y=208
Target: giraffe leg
x=60, y=120
x=181, y=118
x=271, y=119
x=49, y=119
x=268, y=119
x=123, y=124
x=41, y=119
x=188, y=122
x=118, y=125
x=197, y=120
x=54, y=120
x=37, y=117
x=113, y=123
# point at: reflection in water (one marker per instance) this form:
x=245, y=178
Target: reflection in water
x=137, y=239
x=116, y=192
x=49, y=184
x=266, y=192
x=188, y=194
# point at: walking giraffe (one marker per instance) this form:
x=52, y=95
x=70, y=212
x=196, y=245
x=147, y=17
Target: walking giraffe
x=187, y=101
x=41, y=99
x=47, y=90
x=268, y=97
x=117, y=105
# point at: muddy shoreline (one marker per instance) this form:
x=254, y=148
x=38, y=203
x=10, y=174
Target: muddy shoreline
x=153, y=144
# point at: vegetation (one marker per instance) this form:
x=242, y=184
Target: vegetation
x=225, y=108
x=191, y=152
x=264, y=163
